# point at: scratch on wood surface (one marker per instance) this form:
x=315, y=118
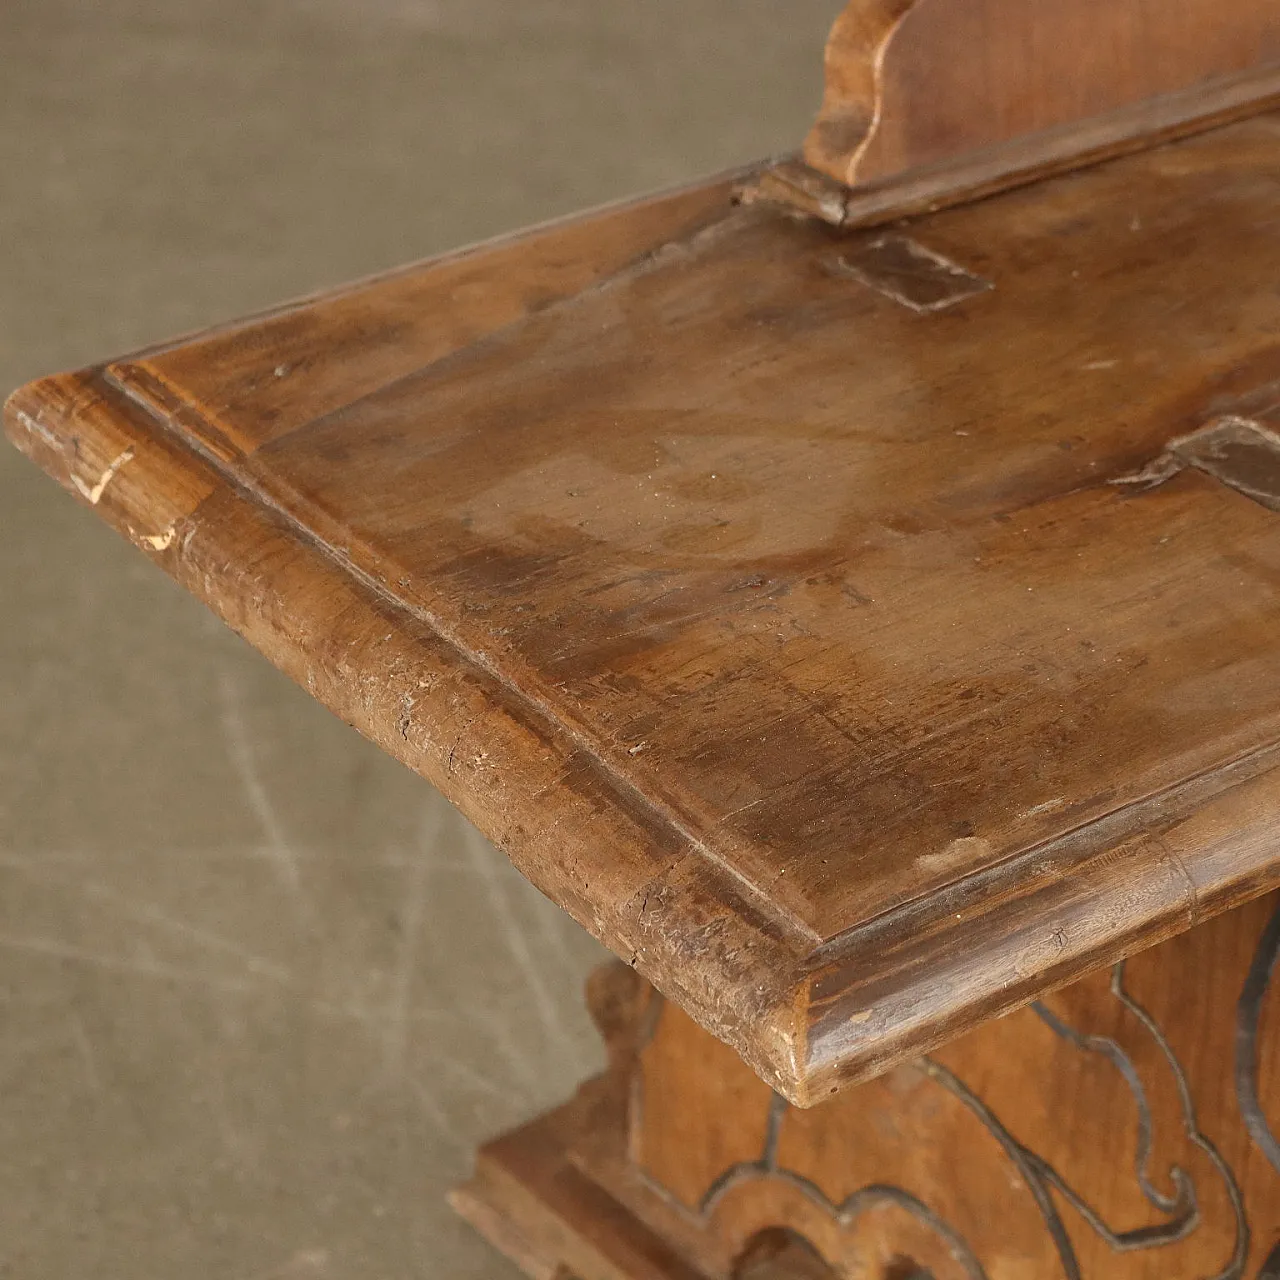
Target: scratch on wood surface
x=742, y=808
x=1193, y=892
x=36, y=427
x=94, y=493
x=958, y=852
x=1047, y=807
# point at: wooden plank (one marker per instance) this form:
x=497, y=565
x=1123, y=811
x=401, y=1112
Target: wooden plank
x=1001, y=166
x=911, y=83
x=779, y=618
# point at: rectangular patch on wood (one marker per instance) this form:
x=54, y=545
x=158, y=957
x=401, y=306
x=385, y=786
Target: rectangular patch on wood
x=1238, y=451
x=906, y=271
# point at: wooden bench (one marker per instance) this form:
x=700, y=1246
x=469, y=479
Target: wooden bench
x=867, y=628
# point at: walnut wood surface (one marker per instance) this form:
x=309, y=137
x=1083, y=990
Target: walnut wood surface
x=1118, y=1130
x=913, y=82
x=975, y=174
x=765, y=592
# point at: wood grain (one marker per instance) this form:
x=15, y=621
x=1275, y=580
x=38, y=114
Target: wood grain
x=1033, y=157
x=911, y=84
x=794, y=639
x=1101, y=1135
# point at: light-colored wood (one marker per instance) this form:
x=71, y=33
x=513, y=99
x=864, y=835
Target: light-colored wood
x=1103, y=1134
x=914, y=82
x=770, y=596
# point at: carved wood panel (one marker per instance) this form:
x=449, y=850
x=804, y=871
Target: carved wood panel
x=1117, y=1129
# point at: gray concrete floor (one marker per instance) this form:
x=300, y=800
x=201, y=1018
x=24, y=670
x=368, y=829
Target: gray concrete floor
x=261, y=990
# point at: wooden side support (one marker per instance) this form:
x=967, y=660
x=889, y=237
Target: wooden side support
x=930, y=102
x=1119, y=1129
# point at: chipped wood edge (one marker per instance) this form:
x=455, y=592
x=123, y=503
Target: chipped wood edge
x=879, y=995
x=487, y=751
x=810, y=1021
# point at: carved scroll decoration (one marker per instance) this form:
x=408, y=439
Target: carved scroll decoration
x=853, y=95
x=931, y=103
x=1248, y=1016
x=851, y=1208
x=1180, y=1211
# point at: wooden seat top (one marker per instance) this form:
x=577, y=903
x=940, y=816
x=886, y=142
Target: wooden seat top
x=859, y=632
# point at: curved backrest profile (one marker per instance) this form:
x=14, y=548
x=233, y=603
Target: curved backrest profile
x=912, y=84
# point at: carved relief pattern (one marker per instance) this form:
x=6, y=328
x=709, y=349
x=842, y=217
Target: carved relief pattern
x=848, y=1210
x=1177, y=1209
x=1180, y=1210
x=1248, y=1016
